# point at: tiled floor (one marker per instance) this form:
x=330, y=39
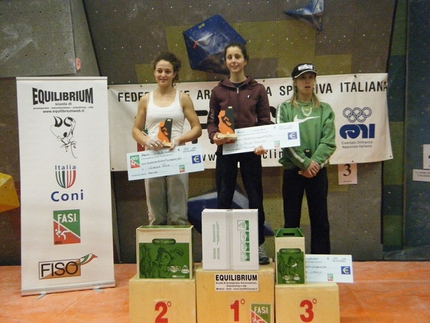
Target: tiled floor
x=383, y=292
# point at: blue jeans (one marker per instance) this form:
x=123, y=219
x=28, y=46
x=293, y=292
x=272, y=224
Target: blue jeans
x=293, y=187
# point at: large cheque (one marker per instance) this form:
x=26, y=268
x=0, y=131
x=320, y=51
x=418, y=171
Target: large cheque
x=272, y=136
x=151, y=163
x=329, y=268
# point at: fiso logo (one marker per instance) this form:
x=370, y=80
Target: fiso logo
x=63, y=268
x=353, y=131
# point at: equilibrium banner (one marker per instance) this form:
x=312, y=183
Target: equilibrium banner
x=358, y=100
x=66, y=214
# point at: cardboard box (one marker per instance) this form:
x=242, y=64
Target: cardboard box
x=235, y=296
x=164, y=252
x=230, y=239
x=290, y=256
x=162, y=300
x=311, y=302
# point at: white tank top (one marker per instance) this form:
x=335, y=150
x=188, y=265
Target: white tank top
x=156, y=114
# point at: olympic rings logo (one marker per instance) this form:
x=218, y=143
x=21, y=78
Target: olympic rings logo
x=357, y=114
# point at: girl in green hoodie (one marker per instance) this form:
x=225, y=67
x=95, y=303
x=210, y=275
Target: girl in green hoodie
x=305, y=165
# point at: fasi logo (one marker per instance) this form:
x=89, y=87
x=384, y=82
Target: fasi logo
x=63, y=268
x=134, y=161
x=358, y=116
x=260, y=313
x=67, y=227
x=65, y=175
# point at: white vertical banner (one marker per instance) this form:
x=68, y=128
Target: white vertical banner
x=66, y=212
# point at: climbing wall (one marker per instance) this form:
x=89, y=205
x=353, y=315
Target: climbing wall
x=118, y=39
x=417, y=120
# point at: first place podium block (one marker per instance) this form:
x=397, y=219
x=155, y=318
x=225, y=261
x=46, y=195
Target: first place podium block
x=162, y=300
x=235, y=296
x=311, y=302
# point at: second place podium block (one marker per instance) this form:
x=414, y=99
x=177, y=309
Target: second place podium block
x=162, y=300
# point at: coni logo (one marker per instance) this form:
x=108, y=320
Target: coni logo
x=65, y=175
x=353, y=131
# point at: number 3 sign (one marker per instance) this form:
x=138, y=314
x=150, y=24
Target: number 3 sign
x=347, y=174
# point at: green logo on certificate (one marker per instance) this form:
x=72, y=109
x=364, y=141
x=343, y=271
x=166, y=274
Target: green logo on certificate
x=134, y=161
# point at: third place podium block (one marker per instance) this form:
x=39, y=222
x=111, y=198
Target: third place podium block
x=311, y=302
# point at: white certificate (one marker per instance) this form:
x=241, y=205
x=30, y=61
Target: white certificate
x=421, y=175
x=151, y=163
x=271, y=136
x=329, y=268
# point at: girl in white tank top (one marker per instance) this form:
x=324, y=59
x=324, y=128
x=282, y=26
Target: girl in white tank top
x=166, y=196
x=156, y=114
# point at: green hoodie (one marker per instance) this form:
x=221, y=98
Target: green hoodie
x=317, y=134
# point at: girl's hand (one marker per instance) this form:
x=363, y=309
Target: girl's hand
x=153, y=144
x=312, y=170
x=174, y=143
x=260, y=150
x=221, y=141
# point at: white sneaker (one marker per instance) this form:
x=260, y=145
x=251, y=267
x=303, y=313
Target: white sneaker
x=263, y=259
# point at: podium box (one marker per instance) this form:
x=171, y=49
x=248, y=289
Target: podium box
x=235, y=296
x=310, y=302
x=290, y=256
x=164, y=252
x=162, y=300
x=230, y=239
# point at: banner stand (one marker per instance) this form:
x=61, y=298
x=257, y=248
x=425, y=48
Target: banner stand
x=66, y=205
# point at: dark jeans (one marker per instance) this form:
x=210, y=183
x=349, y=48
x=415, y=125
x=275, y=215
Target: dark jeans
x=226, y=176
x=293, y=187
